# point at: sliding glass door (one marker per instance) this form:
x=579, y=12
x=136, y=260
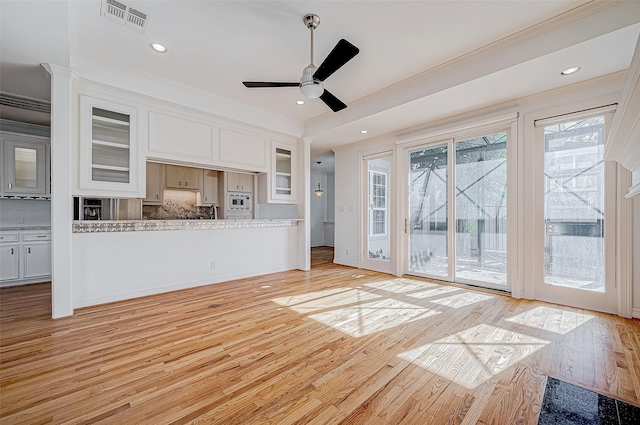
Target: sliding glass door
x=457, y=222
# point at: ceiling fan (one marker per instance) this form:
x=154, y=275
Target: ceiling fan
x=311, y=83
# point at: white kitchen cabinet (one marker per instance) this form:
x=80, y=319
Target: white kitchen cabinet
x=239, y=182
x=9, y=262
x=243, y=150
x=25, y=256
x=37, y=259
x=108, y=146
x=25, y=165
x=279, y=184
x=178, y=177
x=155, y=184
x=209, y=194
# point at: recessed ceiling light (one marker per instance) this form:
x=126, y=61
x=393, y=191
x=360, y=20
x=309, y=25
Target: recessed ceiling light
x=570, y=70
x=364, y=131
x=300, y=102
x=158, y=47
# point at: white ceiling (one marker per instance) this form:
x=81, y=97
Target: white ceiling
x=419, y=60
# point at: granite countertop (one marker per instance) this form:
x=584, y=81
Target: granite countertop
x=24, y=227
x=159, y=225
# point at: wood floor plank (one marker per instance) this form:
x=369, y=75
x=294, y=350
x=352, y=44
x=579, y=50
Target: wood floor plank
x=335, y=345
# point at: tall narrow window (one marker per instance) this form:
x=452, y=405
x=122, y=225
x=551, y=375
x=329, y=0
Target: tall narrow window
x=378, y=204
x=574, y=204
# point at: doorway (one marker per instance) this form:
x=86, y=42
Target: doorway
x=458, y=210
x=376, y=198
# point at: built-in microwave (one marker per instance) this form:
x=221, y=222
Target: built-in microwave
x=239, y=202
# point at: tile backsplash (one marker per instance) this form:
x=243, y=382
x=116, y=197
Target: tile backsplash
x=177, y=205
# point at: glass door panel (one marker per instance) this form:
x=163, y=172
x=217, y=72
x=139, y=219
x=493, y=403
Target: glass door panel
x=428, y=215
x=481, y=210
x=376, y=202
x=574, y=254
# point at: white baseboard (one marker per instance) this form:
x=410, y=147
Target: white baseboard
x=345, y=263
x=635, y=313
x=121, y=296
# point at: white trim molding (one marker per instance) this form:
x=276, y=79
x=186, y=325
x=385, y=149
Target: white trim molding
x=623, y=143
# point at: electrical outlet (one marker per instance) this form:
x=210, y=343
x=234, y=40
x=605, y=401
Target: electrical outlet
x=213, y=264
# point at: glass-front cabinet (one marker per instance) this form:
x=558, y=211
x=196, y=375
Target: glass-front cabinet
x=25, y=169
x=109, y=145
x=280, y=183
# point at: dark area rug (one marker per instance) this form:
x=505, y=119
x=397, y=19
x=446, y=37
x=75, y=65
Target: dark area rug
x=567, y=404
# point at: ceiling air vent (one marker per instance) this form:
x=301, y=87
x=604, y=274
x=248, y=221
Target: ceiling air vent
x=125, y=15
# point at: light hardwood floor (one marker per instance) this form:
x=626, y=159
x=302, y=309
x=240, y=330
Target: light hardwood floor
x=336, y=345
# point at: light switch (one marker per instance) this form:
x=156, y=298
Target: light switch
x=340, y=207
x=351, y=208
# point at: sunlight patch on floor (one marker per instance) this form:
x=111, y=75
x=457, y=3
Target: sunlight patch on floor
x=400, y=285
x=365, y=319
x=472, y=356
x=462, y=300
x=297, y=299
x=353, y=296
x=437, y=290
x=551, y=319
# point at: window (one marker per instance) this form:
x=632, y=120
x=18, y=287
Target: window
x=377, y=204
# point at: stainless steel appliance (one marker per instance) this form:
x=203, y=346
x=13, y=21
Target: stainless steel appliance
x=106, y=209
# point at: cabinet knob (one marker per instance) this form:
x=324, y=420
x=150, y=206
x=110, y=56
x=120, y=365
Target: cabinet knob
x=10, y=186
x=29, y=250
x=206, y=198
x=179, y=183
x=157, y=196
x=11, y=251
x=186, y=183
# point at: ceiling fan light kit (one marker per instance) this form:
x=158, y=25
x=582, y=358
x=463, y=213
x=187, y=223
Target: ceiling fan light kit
x=312, y=81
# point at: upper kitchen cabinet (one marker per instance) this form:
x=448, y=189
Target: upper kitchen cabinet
x=175, y=138
x=239, y=182
x=108, y=146
x=279, y=184
x=243, y=150
x=155, y=184
x=25, y=165
x=209, y=193
x=178, y=177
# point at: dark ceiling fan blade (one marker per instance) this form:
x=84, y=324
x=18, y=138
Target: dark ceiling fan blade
x=332, y=102
x=254, y=84
x=342, y=53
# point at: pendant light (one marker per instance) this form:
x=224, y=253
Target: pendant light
x=319, y=191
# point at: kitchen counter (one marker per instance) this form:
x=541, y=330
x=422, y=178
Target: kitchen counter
x=24, y=227
x=158, y=225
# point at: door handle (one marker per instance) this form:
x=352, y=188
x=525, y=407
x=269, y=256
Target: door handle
x=406, y=225
x=10, y=186
x=11, y=251
x=29, y=250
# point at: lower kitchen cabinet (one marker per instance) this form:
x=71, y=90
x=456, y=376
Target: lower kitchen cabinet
x=9, y=262
x=25, y=256
x=37, y=260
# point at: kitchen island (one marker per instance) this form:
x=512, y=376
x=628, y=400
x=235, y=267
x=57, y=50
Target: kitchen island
x=127, y=259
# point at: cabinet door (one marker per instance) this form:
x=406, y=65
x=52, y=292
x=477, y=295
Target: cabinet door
x=9, y=262
x=246, y=183
x=233, y=182
x=24, y=167
x=191, y=177
x=109, y=145
x=173, y=174
x=210, y=188
x=37, y=260
x=154, y=183
x=283, y=173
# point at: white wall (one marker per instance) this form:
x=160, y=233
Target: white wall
x=602, y=91
x=318, y=208
x=115, y=266
x=28, y=212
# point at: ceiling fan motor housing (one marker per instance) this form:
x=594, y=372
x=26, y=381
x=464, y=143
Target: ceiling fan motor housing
x=309, y=87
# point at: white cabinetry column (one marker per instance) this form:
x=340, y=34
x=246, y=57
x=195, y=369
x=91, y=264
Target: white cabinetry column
x=304, y=207
x=62, y=135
